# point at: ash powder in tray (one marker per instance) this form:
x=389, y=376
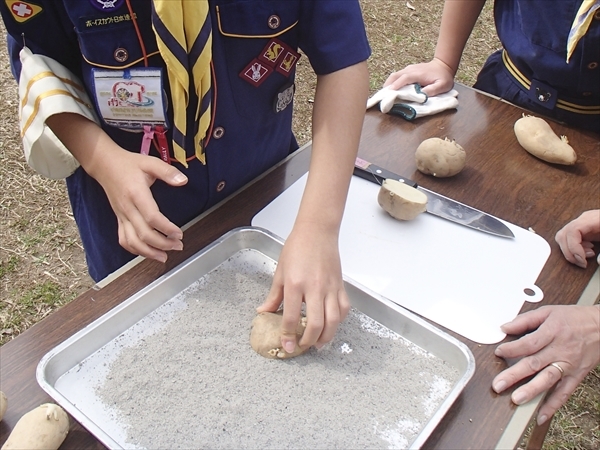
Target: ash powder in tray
x=196, y=382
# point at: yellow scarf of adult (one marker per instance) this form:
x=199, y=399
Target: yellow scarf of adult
x=184, y=35
x=582, y=21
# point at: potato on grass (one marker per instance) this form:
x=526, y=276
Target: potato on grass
x=265, y=335
x=44, y=427
x=440, y=157
x=537, y=137
x=400, y=200
x=3, y=404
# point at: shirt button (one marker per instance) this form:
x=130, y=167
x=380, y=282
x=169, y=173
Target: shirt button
x=597, y=15
x=274, y=22
x=218, y=132
x=121, y=55
x=220, y=186
x=592, y=65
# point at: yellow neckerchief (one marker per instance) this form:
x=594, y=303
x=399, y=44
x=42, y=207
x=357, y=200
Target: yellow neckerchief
x=582, y=21
x=184, y=36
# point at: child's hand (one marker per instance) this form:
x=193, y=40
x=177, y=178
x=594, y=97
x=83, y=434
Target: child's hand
x=309, y=271
x=143, y=229
x=435, y=77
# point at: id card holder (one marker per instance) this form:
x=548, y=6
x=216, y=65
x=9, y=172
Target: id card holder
x=133, y=100
x=130, y=99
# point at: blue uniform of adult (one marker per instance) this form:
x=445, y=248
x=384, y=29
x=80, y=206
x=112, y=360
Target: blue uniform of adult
x=248, y=135
x=532, y=71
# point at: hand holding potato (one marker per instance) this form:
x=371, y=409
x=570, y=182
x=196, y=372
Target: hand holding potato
x=309, y=271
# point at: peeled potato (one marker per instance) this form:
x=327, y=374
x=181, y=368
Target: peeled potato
x=440, y=157
x=265, y=336
x=3, y=404
x=44, y=427
x=401, y=201
x=536, y=136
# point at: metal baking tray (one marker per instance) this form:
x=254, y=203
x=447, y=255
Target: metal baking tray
x=59, y=372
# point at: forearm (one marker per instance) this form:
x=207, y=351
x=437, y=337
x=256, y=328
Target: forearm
x=337, y=123
x=88, y=143
x=458, y=19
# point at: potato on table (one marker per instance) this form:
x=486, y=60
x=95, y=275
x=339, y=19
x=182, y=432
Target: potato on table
x=440, y=157
x=537, y=137
x=3, y=404
x=44, y=427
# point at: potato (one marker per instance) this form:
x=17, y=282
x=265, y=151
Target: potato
x=44, y=427
x=440, y=157
x=3, y=404
x=536, y=136
x=265, y=336
x=400, y=200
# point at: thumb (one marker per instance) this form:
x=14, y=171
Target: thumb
x=435, y=89
x=160, y=170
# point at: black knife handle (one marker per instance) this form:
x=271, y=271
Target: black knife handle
x=377, y=174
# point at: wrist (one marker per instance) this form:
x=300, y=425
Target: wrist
x=447, y=66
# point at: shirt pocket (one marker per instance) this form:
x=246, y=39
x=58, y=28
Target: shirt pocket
x=113, y=43
x=242, y=32
x=547, y=24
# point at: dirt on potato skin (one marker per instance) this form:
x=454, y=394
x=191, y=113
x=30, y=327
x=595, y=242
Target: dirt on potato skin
x=42, y=265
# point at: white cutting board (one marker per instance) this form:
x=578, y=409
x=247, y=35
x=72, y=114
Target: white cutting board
x=465, y=280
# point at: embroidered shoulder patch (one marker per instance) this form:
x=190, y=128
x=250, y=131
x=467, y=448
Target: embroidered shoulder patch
x=23, y=11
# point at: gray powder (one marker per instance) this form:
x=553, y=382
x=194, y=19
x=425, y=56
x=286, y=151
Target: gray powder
x=195, y=382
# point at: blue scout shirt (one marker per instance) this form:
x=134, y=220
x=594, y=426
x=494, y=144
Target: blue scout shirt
x=531, y=71
x=252, y=116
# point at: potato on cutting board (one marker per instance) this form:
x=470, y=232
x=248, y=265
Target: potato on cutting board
x=401, y=201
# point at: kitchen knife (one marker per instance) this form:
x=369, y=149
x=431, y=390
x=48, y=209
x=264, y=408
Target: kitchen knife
x=437, y=204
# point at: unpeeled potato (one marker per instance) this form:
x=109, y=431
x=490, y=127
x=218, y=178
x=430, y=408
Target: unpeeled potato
x=401, y=201
x=3, y=404
x=265, y=336
x=537, y=137
x=44, y=427
x=440, y=157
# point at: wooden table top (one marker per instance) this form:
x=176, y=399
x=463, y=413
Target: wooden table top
x=500, y=178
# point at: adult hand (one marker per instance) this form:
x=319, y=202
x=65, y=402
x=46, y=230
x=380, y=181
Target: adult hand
x=568, y=336
x=575, y=238
x=309, y=271
x=435, y=77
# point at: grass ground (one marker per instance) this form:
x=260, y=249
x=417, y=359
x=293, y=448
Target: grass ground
x=41, y=259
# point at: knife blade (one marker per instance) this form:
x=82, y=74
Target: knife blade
x=437, y=204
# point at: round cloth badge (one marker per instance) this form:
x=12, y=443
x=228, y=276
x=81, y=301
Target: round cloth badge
x=107, y=5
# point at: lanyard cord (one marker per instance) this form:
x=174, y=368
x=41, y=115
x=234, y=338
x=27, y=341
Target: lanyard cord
x=137, y=32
